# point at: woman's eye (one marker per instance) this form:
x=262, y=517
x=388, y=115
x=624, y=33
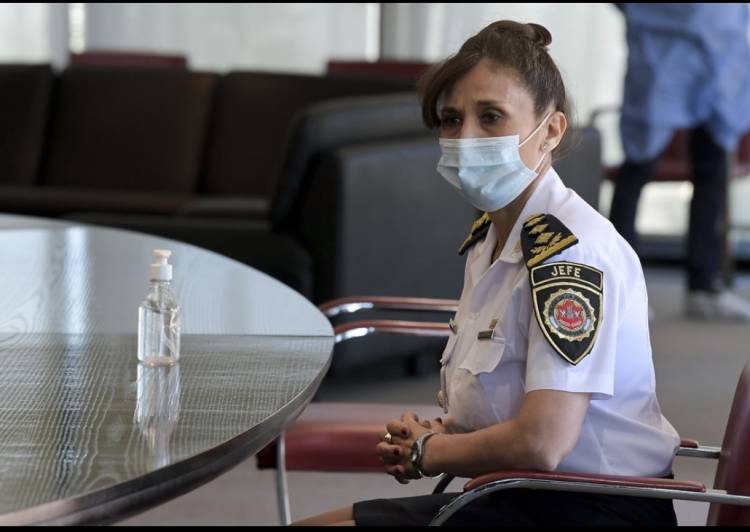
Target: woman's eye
x=449, y=121
x=491, y=118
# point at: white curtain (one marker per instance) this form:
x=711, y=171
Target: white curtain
x=33, y=33
x=286, y=37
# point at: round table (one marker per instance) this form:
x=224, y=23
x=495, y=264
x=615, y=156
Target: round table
x=89, y=435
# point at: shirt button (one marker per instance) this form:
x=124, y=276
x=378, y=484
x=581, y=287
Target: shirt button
x=442, y=400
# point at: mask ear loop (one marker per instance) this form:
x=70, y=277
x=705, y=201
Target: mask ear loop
x=539, y=164
x=545, y=146
x=536, y=130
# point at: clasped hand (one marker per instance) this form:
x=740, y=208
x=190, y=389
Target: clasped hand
x=404, y=432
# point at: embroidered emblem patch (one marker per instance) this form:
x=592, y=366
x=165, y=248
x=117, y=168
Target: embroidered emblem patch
x=569, y=315
x=568, y=301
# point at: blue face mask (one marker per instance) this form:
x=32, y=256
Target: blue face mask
x=488, y=172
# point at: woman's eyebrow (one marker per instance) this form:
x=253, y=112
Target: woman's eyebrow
x=449, y=110
x=484, y=103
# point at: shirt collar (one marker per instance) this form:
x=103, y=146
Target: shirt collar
x=540, y=201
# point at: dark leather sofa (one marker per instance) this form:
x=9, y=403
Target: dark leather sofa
x=148, y=140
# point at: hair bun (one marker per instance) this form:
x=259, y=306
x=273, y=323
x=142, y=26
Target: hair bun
x=535, y=33
x=539, y=34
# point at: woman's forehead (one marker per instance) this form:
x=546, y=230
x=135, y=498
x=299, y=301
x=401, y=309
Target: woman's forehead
x=487, y=82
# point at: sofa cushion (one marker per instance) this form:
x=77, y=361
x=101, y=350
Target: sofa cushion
x=24, y=102
x=140, y=129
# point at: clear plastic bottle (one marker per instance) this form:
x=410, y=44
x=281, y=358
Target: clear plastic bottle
x=157, y=410
x=159, y=318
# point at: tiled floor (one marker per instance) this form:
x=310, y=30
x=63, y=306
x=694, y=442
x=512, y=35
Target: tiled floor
x=697, y=366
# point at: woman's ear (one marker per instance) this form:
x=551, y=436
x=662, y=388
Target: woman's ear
x=556, y=127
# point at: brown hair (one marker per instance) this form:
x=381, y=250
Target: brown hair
x=521, y=47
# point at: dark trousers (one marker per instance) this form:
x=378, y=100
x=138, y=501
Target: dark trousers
x=705, y=235
x=521, y=507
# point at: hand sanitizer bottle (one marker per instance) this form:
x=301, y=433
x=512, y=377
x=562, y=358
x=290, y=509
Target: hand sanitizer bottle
x=159, y=317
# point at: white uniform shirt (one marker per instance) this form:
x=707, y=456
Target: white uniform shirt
x=484, y=381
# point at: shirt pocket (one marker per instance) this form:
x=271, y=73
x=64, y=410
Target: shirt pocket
x=484, y=356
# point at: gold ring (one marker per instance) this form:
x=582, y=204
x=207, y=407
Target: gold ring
x=388, y=437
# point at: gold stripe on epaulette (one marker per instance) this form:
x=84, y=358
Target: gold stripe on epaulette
x=478, y=225
x=534, y=219
x=538, y=229
x=465, y=243
x=544, y=238
x=479, y=222
x=542, y=253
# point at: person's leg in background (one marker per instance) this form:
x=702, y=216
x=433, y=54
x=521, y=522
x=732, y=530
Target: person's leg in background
x=706, y=297
x=630, y=180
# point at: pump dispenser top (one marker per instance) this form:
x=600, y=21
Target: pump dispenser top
x=161, y=270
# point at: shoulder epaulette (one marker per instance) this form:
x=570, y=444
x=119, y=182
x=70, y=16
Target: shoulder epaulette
x=543, y=236
x=478, y=231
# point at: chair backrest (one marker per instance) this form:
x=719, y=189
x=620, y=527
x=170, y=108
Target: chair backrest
x=742, y=157
x=252, y=114
x=128, y=59
x=333, y=124
x=24, y=104
x=581, y=168
x=406, y=70
x=675, y=164
x=129, y=129
x=733, y=470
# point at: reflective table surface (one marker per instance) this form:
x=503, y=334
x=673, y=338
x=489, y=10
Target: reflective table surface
x=89, y=435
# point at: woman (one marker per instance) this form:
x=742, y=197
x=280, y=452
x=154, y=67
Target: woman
x=549, y=363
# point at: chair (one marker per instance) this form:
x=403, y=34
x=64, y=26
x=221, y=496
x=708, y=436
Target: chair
x=309, y=443
x=729, y=499
x=342, y=436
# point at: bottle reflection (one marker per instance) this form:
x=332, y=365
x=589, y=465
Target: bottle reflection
x=157, y=409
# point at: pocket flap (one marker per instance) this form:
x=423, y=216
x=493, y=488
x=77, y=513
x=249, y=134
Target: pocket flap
x=484, y=356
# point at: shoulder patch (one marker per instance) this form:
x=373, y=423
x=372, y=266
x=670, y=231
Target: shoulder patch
x=543, y=236
x=478, y=231
x=568, y=299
